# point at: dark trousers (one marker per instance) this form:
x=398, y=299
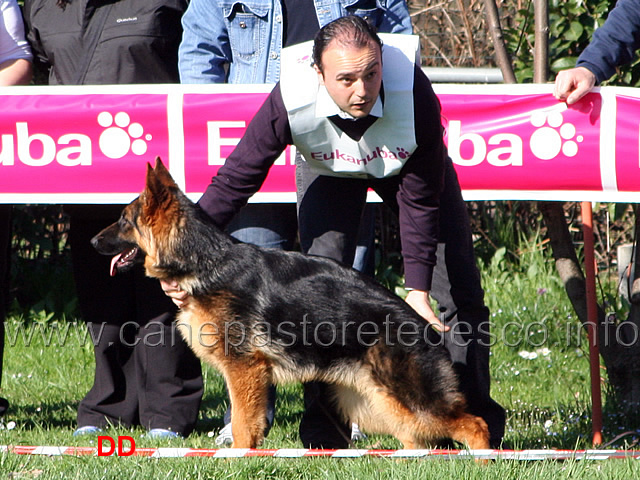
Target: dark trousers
x=5, y=244
x=145, y=373
x=329, y=212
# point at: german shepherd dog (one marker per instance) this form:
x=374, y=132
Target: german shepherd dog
x=263, y=316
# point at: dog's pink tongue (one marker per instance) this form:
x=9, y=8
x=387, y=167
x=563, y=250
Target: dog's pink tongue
x=114, y=260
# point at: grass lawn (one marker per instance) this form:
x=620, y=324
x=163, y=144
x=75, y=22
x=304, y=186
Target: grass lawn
x=540, y=375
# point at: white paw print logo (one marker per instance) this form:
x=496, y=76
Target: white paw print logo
x=121, y=136
x=556, y=136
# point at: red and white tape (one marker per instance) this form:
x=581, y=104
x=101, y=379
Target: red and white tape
x=168, y=452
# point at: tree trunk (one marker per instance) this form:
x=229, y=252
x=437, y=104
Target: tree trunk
x=564, y=254
x=619, y=341
x=502, y=57
x=541, y=51
x=621, y=348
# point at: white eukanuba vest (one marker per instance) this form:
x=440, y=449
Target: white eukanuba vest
x=385, y=146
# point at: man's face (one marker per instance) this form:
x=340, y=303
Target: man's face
x=352, y=76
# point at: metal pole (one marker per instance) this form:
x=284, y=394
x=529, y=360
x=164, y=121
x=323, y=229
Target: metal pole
x=541, y=72
x=592, y=323
x=463, y=75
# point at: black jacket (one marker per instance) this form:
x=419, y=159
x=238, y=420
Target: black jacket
x=138, y=42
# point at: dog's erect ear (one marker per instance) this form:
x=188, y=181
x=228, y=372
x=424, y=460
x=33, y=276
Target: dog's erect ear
x=163, y=174
x=159, y=178
x=160, y=186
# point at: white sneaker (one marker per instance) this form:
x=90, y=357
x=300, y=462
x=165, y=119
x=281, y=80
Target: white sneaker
x=225, y=437
x=356, y=434
x=87, y=430
x=161, y=434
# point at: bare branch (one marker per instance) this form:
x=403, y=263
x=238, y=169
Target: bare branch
x=502, y=57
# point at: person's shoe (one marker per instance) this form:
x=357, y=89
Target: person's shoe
x=356, y=434
x=4, y=406
x=225, y=437
x=87, y=430
x=161, y=433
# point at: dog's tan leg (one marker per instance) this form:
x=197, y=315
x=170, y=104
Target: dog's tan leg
x=248, y=382
x=388, y=415
x=470, y=430
x=415, y=429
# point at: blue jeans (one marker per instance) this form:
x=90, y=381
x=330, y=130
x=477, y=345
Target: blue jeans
x=268, y=225
x=274, y=225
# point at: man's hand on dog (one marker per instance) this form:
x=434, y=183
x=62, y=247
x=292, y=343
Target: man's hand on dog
x=173, y=291
x=419, y=301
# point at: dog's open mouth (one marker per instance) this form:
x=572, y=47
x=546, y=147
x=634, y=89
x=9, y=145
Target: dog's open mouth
x=123, y=260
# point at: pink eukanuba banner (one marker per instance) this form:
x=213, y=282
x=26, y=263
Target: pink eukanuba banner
x=91, y=144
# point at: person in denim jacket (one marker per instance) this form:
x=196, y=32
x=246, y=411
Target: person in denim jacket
x=243, y=44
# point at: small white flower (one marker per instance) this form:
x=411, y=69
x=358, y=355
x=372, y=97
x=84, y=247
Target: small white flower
x=210, y=434
x=11, y=425
x=548, y=424
x=528, y=355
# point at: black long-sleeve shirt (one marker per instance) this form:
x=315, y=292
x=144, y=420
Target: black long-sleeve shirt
x=420, y=181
